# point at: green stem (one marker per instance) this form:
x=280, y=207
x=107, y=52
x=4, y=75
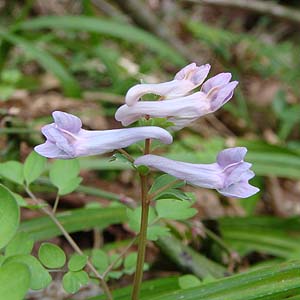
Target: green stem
x=138, y=276
x=55, y=203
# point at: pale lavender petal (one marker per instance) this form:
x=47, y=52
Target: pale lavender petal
x=223, y=95
x=231, y=156
x=67, y=121
x=97, y=142
x=229, y=175
x=204, y=175
x=216, y=81
x=193, y=73
x=185, y=81
x=239, y=190
x=189, y=107
x=50, y=150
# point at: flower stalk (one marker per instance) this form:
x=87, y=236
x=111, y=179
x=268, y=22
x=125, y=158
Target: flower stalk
x=138, y=276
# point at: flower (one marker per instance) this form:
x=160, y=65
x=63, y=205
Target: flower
x=214, y=93
x=187, y=79
x=229, y=175
x=66, y=139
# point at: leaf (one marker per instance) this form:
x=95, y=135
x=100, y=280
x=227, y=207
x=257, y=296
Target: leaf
x=52, y=256
x=40, y=277
x=13, y=171
x=42, y=228
x=20, y=200
x=105, y=27
x=15, y=280
x=174, y=209
x=72, y=281
x=156, y=231
x=134, y=217
x=100, y=260
x=34, y=166
x=64, y=175
x=188, y=281
x=47, y=61
x=77, y=262
x=9, y=216
x=20, y=244
x=130, y=263
x=164, y=180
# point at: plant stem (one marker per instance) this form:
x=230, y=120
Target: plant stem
x=55, y=203
x=73, y=244
x=162, y=189
x=138, y=276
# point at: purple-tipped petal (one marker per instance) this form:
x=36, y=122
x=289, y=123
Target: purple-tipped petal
x=193, y=73
x=216, y=81
x=231, y=156
x=67, y=121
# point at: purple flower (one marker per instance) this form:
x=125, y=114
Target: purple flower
x=229, y=175
x=214, y=93
x=187, y=79
x=66, y=139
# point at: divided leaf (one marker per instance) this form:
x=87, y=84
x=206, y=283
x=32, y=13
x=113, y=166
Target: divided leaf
x=77, y=262
x=20, y=244
x=72, y=281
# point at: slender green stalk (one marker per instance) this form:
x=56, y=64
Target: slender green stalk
x=55, y=203
x=138, y=276
x=73, y=244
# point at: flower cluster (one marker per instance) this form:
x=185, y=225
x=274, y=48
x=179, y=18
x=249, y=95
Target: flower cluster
x=181, y=105
x=176, y=103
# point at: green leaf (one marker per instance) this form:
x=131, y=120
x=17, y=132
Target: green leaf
x=156, y=231
x=13, y=171
x=188, y=281
x=42, y=228
x=115, y=274
x=105, y=27
x=20, y=200
x=15, y=281
x=100, y=260
x=47, y=61
x=9, y=216
x=113, y=258
x=20, y=244
x=34, y=166
x=52, y=256
x=130, y=263
x=164, y=180
x=40, y=277
x=134, y=217
x=77, y=262
x=72, y=281
x=64, y=175
x=174, y=209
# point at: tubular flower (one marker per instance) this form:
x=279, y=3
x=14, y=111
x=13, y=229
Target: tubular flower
x=229, y=175
x=66, y=139
x=184, y=81
x=214, y=93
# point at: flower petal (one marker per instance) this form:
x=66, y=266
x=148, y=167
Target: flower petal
x=231, y=156
x=50, y=150
x=239, y=190
x=185, y=81
x=67, y=121
x=216, y=81
x=91, y=142
x=189, y=107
